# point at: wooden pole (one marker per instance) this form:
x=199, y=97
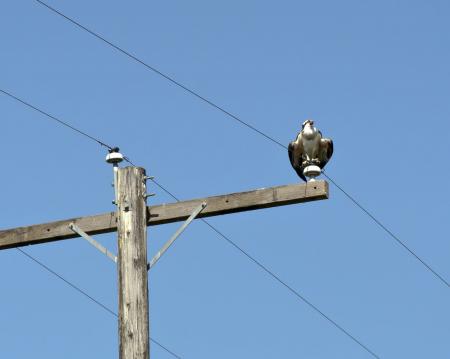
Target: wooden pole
x=132, y=265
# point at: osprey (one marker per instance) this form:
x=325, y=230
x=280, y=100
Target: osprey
x=309, y=148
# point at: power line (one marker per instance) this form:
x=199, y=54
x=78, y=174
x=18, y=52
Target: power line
x=55, y=119
x=274, y=276
x=73, y=286
x=383, y=227
x=238, y=119
x=42, y=264
x=81, y=291
x=292, y=290
x=160, y=73
x=259, y=264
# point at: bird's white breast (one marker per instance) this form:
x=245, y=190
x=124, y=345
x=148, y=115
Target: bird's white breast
x=311, y=142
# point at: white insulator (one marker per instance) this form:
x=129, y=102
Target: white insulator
x=311, y=172
x=114, y=157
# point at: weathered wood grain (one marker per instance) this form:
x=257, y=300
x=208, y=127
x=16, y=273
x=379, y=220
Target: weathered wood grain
x=167, y=213
x=134, y=332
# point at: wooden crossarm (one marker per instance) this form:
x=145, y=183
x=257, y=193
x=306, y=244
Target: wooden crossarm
x=168, y=213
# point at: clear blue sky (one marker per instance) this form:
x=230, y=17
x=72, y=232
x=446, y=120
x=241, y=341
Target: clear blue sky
x=375, y=76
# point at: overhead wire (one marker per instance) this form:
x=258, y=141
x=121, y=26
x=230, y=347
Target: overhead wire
x=39, y=262
x=259, y=264
x=101, y=143
x=73, y=286
x=388, y=231
x=242, y=122
x=276, y=277
x=160, y=73
x=84, y=293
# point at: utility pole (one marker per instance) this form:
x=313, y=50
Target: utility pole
x=132, y=264
x=130, y=221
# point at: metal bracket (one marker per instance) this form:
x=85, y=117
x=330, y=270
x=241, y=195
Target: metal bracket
x=180, y=230
x=92, y=241
x=158, y=255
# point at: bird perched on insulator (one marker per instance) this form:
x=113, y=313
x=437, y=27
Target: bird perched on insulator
x=309, y=152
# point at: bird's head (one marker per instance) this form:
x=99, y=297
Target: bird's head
x=309, y=123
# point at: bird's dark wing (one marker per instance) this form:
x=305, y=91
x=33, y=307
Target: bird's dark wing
x=326, y=151
x=291, y=153
x=295, y=156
